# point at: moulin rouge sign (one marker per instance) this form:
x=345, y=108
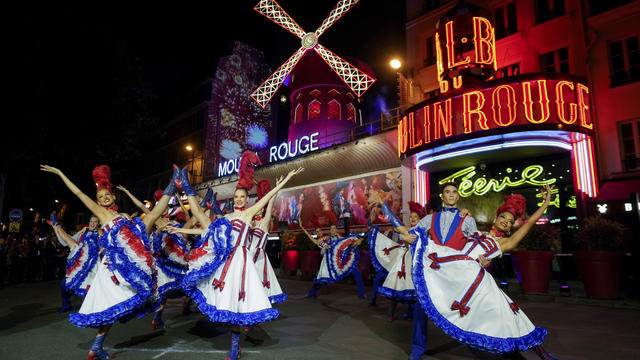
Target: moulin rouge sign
x=546, y=101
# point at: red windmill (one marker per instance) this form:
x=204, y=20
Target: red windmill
x=357, y=80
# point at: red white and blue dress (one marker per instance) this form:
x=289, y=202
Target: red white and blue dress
x=124, y=286
x=222, y=279
x=341, y=258
x=82, y=263
x=393, y=258
x=171, y=252
x=463, y=299
x=263, y=266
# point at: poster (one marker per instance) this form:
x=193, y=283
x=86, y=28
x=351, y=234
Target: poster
x=356, y=199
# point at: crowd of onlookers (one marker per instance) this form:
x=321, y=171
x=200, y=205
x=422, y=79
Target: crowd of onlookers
x=31, y=257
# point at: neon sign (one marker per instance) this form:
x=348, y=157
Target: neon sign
x=479, y=186
x=276, y=153
x=457, y=55
x=299, y=147
x=531, y=101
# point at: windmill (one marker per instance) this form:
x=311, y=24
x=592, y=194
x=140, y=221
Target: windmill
x=355, y=79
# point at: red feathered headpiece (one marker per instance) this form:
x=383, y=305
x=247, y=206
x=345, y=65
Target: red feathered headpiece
x=515, y=204
x=180, y=217
x=246, y=168
x=417, y=208
x=157, y=195
x=102, y=177
x=263, y=187
x=314, y=220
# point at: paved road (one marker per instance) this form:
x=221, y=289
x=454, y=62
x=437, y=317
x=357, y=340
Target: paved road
x=337, y=325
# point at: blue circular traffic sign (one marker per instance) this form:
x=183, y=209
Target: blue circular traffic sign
x=15, y=215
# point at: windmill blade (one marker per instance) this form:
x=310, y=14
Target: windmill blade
x=263, y=94
x=338, y=11
x=275, y=13
x=358, y=81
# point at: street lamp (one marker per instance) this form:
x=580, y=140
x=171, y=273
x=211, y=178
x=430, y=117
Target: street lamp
x=395, y=64
x=189, y=148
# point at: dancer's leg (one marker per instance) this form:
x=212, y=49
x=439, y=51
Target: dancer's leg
x=419, y=341
x=66, y=298
x=157, y=322
x=377, y=281
x=96, y=351
x=235, y=351
x=542, y=353
x=358, y=277
x=392, y=309
x=313, y=292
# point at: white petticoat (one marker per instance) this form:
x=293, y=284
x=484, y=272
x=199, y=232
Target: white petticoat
x=396, y=260
x=263, y=266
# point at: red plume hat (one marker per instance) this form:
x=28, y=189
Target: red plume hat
x=417, y=208
x=102, y=177
x=157, y=195
x=515, y=204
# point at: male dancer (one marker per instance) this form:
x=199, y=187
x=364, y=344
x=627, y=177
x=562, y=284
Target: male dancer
x=445, y=227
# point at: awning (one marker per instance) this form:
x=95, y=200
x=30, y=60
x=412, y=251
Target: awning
x=618, y=189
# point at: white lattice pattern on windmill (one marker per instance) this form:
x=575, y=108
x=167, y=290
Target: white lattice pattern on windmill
x=275, y=13
x=265, y=92
x=358, y=81
x=341, y=7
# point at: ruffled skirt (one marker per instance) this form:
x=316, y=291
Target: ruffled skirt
x=269, y=281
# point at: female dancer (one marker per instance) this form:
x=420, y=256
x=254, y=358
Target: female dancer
x=461, y=298
x=219, y=280
x=393, y=257
x=259, y=234
x=125, y=278
x=82, y=259
x=339, y=259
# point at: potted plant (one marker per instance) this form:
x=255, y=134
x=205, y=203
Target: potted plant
x=532, y=258
x=600, y=255
x=290, y=259
x=364, y=264
x=309, y=256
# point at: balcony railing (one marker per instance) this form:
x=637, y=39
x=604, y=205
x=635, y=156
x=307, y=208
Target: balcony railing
x=387, y=120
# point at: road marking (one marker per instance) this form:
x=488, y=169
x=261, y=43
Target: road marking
x=176, y=349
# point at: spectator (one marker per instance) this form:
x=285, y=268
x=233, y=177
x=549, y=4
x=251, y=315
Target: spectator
x=33, y=259
x=17, y=256
x=4, y=253
x=49, y=258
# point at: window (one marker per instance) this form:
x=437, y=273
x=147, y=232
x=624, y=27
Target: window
x=334, y=92
x=548, y=9
x=350, y=96
x=351, y=113
x=298, y=114
x=629, y=133
x=334, y=109
x=555, y=61
x=314, y=110
x=315, y=92
x=506, y=20
x=429, y=52
x=430, y=94
x=509, y=70
x=624, y=61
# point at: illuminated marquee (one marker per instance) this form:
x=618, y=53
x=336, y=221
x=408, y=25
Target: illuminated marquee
x=289, y=149
x=532, y=101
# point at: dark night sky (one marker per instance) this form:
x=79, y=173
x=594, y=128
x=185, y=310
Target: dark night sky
x=72, y=66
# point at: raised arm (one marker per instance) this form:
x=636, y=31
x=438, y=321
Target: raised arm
x=177, y=230
x=135, y=200
x=62, y=235
x=397, y=224
x=250, y=212
x=315, y=241
x=266, y=219
x=509, y=243
x=103, y=214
